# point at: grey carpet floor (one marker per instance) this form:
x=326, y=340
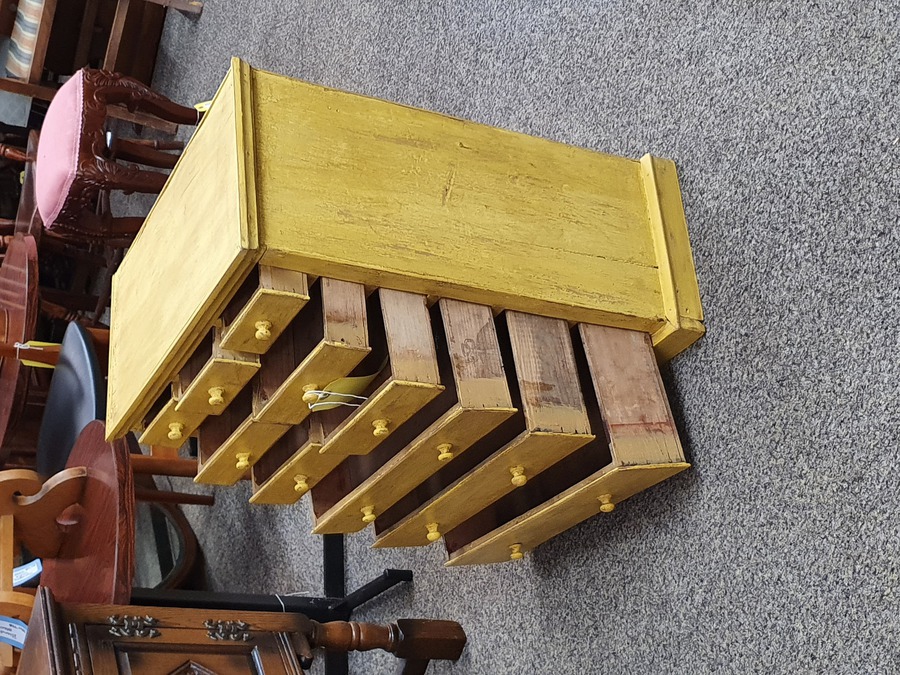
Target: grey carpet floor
x=778, y=551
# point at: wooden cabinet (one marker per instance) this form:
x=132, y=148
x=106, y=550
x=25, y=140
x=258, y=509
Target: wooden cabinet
x=134, y=640
x=447, y=330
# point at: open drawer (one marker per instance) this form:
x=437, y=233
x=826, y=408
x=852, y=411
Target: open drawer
x=553, y=423
x=263, y=307
x=324, y=342
x=640, y=448
x=406, y=378
x=208, y=383
x=476, y=400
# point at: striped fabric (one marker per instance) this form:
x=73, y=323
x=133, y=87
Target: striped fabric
x=23, y=39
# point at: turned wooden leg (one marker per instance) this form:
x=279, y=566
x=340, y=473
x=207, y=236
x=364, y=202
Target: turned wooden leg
x=143, y=154
x=121, y=89
x=165, y=497
x=416, y=640
x=115, y=176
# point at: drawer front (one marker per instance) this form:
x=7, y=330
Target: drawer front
x=447, y=438
x=515, y=464
x=327, y=362
x=241, y=450
x=296, y=476
x=171, y=428
x=390, y=406
x=215, y=387
x=272, y=306
x=583, y=500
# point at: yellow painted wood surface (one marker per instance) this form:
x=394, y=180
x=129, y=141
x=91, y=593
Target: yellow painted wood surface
x=344, y=344
x=158, y=430
x=327, y=362
x=394, y=403
x=307, y=461
x=490, y=480
x=251, y=439
x=459, y=428
x=198, y=244
x=566, y=510
x=281, y=294
x=219, y=381
x=483, y=401
x=678, y=282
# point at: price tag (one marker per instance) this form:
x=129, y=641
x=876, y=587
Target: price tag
x=25, y=573
x=12, y=632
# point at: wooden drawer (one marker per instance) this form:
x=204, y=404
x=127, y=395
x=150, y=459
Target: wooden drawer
x=643, y=449
x=262, y=308
x=404, y=358
x=475, y=401
x=554, y=424
x=210, y=380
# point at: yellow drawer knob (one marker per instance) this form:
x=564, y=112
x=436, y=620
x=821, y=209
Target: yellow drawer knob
x=381, y=428
x=263, y=330
x=176, y=431
x=433, y=534
x=308, y=395
x=606, y=503
x=216, y=396
x=300, y=484
x=518, y=476
x=243, y=460
x=368, y=514
x=515, y=552
x=444, y=454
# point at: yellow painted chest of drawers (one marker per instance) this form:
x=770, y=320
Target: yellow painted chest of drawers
x=480, y=278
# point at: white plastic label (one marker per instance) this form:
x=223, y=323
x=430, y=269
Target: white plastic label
x=12, y=632
x=25, y=573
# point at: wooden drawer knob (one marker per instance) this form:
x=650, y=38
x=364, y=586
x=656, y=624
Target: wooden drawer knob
x=444, y=454
x=308, y=395
x=368, y=514
x=263, y=330
x=518, y=476
x=300, y=484
x=216, y=396
x=433, y=534
x=176, y=431
x=381, y=428
x=515, y=552
x=243, y=461
x=606, y=503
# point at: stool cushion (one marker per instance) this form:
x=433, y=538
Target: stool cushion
x=24, y=38
x=58, y=149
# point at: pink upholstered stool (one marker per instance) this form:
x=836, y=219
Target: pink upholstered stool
x=75, y=163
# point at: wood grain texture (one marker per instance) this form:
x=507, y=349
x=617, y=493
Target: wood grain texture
x=564, y=511
x=157, y=431
x=304, y=460
x=281, y=294
x=680, y=293
x=250, y=438
x=179, y=274
x=631, y=395
x=483, y=402
x=344, y=344
x=226, y=370
x=410, y=343
x=415, y=200
x=490, y=480
x=545, y=368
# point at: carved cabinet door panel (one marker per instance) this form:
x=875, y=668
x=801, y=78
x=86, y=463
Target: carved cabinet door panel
x=187, y=651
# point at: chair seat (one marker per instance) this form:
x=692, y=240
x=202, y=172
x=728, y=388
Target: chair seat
x=56, y=169
x=77, y=397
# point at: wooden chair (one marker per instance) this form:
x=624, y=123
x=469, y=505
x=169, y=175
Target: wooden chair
x=74, y=161
x=42, y=39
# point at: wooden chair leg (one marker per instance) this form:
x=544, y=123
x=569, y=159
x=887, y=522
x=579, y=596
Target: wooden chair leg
x=162, y=466
x=135, y=95
x=165, y=497
x=142, y=154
